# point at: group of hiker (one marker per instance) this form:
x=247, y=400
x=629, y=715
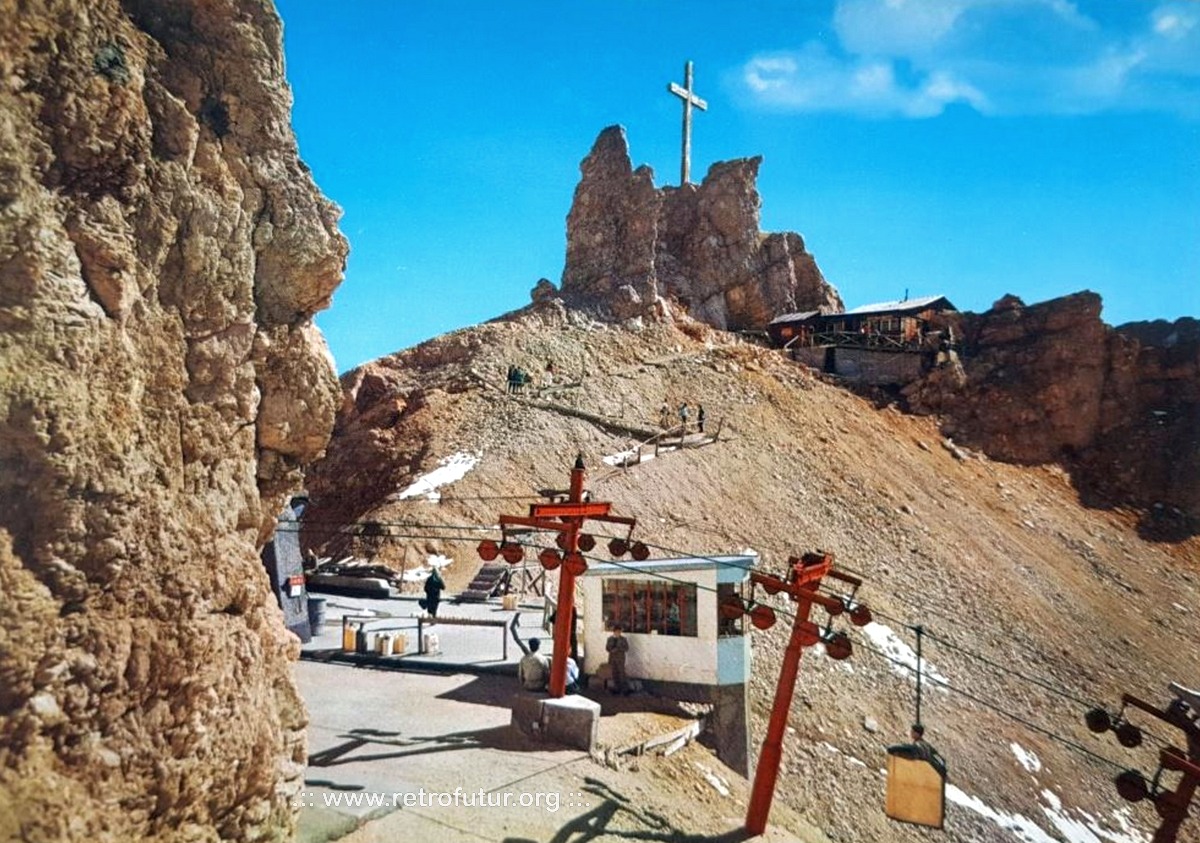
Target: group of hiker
x=684, y=416
x=534, y=670
x=518, y=378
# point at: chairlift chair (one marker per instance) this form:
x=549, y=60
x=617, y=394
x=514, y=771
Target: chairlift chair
x=916, y=775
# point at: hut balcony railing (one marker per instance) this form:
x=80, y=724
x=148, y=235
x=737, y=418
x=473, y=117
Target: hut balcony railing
x=857, y=339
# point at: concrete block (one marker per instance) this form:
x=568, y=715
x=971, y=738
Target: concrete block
x=572, y=720
x=527, y=714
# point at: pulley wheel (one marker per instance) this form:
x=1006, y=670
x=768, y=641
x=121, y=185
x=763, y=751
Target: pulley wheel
x=1128, y=735
x=575, y=564
x=732, y=607
x=587, y=542
x=762, y=616
x=1131, y=785
x=549, y=559
x=639, y=551
x=512, y=553
x=563, y=542
x=488, y=550
x=1098, y=720
x=838, y=647
x=618, y=547
x=860, y=615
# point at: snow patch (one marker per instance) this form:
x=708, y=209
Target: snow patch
x=450, y=469
x=891, y=645
x=1082, y=829
x=626, y=458
x=719, y=784
x=1086, y=828
x=435, y=560
x=850, y=759
x=1026, y=758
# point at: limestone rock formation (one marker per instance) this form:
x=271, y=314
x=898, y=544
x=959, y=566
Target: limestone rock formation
x=162, y=251
x=1051, y=382
x=631, y=245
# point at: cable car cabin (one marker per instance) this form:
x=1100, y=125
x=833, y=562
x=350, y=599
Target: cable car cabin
x=916, y=786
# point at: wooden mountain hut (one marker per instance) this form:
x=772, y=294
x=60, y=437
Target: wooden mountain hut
x=894, y=325
x=888, y=343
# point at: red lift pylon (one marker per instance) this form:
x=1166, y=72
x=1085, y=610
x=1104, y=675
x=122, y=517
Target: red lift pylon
x=803, y=579
x=567, y=519
x=1171, y=805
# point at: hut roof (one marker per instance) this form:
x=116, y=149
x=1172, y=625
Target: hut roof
x=902, y=306
x=795, y=317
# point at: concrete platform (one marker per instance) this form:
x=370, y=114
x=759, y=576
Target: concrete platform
x=470, y=649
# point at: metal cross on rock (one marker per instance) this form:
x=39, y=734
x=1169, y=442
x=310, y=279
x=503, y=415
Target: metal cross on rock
x=689, y=100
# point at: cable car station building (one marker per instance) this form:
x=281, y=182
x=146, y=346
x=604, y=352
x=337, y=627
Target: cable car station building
x=679, y=645
x=885, y=343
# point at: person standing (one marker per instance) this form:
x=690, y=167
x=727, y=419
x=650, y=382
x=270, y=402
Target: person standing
x=700, y=418
x=434, y=585
x=664, y=415
x=617, y=647
x=683, y=417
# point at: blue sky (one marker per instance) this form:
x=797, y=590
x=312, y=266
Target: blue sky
x=970, y=148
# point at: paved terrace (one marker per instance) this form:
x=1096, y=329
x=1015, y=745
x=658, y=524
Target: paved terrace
x=431, y=724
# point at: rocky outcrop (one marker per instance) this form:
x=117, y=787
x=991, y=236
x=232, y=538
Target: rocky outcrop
x=1051, y=382
x=631, y=247
x=162, y=251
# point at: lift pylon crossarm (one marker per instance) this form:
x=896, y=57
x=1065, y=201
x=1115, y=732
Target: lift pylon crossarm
x=1172, y=758
x=844, y=577
x=507, y=522
x=570, y=509
x=796, y=588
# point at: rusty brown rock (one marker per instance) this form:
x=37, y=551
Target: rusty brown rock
x=162, y=251
x=631, y=245
x=1051, y=382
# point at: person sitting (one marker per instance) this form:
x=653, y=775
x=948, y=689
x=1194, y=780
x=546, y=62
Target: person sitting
x=534, y=669
x=919, y=750
x=572, y=676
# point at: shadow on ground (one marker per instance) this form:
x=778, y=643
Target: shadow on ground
x=617, y=817
x=383, y=746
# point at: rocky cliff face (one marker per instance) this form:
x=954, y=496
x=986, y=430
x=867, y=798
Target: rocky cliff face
x=162, y=250
x=1051, y=382
x=631, y=247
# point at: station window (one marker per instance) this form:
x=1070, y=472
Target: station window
x=650, y=606
x=728, y=626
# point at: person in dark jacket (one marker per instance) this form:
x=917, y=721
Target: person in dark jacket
x=617, y=647
x=434, y=585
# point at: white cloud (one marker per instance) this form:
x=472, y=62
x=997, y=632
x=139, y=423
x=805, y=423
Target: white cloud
x=812, y=80
x=1173, y=23
x=913, y=58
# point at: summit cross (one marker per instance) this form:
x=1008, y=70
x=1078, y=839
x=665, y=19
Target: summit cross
x=689, y=100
